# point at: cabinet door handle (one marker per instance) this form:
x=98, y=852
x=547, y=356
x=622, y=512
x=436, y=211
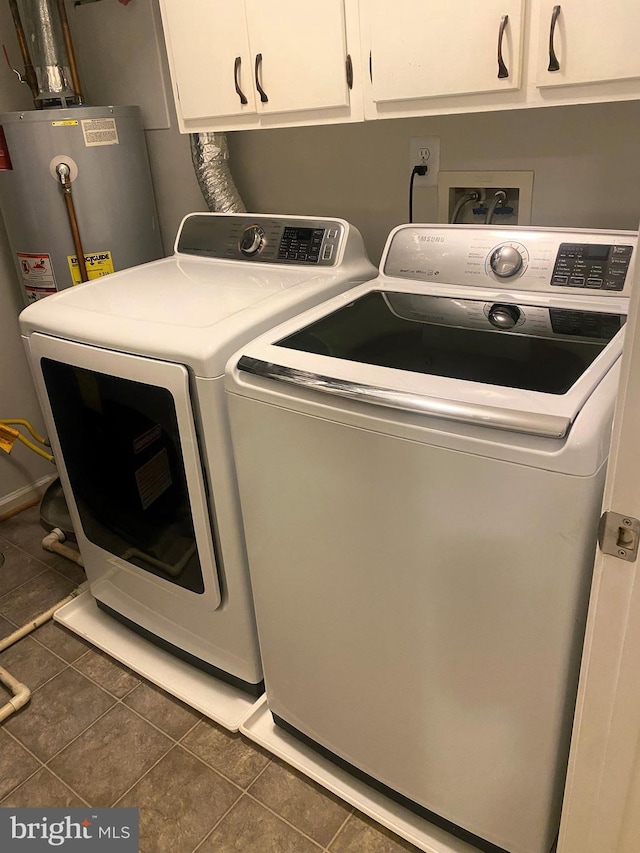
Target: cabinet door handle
x=236, y=80
x=349, y=71
x=503, y=71
x=263, y=94
x=370, y=67
x=554, y=65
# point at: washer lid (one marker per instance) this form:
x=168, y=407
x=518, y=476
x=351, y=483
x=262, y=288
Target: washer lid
x=482, y=362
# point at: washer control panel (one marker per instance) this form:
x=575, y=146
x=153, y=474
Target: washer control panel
x=552, y=260
x=597, y=266
x=263, y=239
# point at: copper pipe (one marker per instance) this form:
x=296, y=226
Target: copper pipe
x=75, y=232
x=73, y=68
x=29, y=71
x=64, y=176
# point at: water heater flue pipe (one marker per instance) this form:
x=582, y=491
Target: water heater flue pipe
x=45, y=43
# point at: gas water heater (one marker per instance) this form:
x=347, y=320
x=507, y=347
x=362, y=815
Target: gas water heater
x=101, y=154
x=75, y=185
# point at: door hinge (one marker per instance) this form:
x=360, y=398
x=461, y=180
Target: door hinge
x=618, y=535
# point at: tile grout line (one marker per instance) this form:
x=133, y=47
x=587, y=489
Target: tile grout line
x=217, y=823
x=85, y=730
x=43, y=766
x=140, y=778
x=340, y=828
x=119, y=701
x=264, y=769
x=24, y=583
x=284, y=820
x=175, y=743
x=35, y=689
x=211, y=767
x=53, y=652
x=66, y=663
x=67, y=785
x=32, y=754
x=29, y=554
x=189, y=752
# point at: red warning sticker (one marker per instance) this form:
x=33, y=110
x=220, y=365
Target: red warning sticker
x=5, y=160
x=37, y=275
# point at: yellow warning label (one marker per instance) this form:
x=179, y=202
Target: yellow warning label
x=8, y=437
x=98, y=264
x=70, y=122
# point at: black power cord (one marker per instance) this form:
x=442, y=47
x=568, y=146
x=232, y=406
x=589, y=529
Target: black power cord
x=417, y=170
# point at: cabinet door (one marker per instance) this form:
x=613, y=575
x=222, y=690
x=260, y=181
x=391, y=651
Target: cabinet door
x=209, y=52
x=299, y=56
x=593, y=41
x=430, y=48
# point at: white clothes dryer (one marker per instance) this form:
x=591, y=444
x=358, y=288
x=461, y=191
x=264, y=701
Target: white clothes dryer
x=421, y=464
x=129, y=370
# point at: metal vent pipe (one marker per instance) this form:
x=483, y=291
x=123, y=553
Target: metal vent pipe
x=210, y=156
x=45, y=44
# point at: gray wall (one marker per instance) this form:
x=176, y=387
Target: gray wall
x=584, y=159
x=17, y=396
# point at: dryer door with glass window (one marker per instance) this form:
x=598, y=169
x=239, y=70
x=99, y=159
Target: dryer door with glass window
x=128, y=449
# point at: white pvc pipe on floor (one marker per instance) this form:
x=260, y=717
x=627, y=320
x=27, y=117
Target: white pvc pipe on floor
x=54, y=542
x=21, y=693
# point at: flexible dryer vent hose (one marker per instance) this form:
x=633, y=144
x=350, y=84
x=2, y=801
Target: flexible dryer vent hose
x=210, y=156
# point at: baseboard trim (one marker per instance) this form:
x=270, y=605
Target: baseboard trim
x=25, y=497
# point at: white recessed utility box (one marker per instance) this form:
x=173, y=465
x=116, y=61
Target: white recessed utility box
x=503, y=198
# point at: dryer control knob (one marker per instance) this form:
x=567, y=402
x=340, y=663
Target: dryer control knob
x=505, y=261
x=504, y=316
x=252, y=240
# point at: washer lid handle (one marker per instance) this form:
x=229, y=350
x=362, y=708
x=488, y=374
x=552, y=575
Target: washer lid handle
x=530, y=423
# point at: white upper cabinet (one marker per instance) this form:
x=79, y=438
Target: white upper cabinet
x=262, y=63
x=242, y=64
x=588, y=41
x=436, y=48
x=300, y=57
x=210, y=58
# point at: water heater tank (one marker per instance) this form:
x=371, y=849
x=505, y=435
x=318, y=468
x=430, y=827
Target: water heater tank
x=111, y=187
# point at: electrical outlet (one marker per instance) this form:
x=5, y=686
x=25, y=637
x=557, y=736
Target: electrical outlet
x=425, y=151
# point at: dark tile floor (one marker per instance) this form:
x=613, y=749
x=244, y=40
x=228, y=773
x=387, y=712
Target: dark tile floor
x=96, y=734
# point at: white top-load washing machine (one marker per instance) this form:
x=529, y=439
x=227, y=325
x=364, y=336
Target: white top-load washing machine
x=129, y=370
x=421, y=463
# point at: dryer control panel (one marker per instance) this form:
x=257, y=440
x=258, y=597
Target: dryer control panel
x=262, y=239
